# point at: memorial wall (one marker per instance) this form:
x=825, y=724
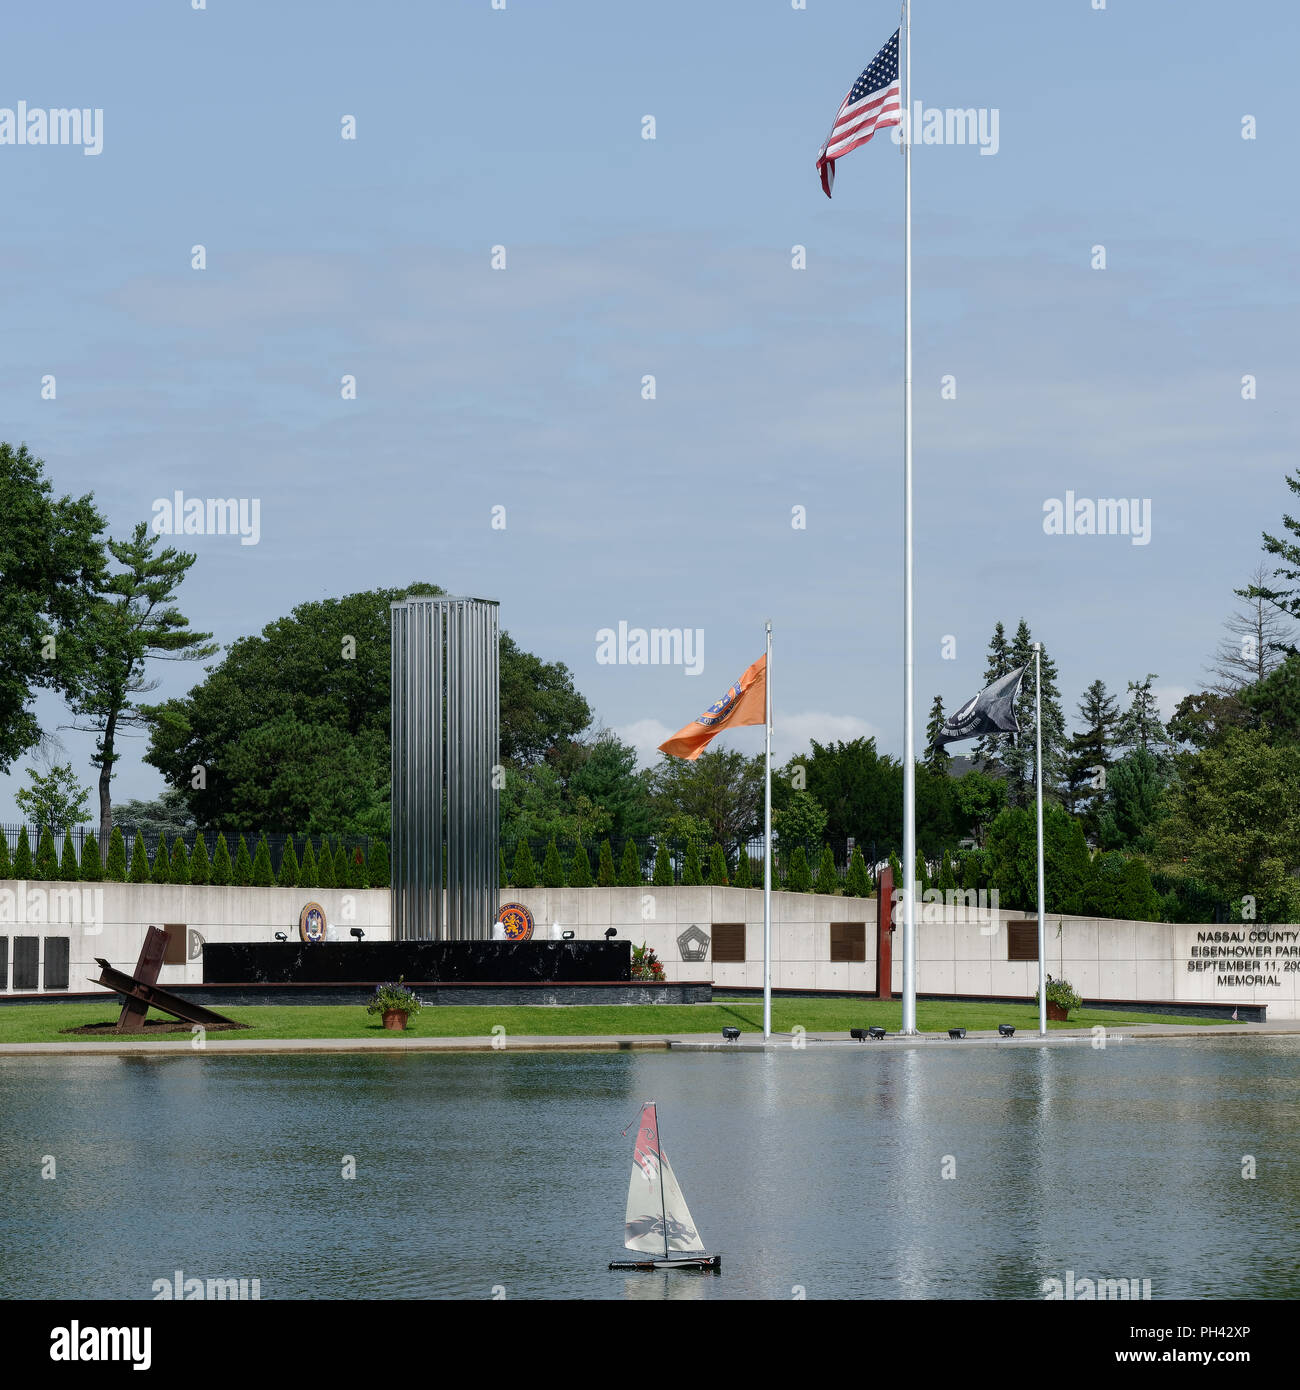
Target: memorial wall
x=699, y=934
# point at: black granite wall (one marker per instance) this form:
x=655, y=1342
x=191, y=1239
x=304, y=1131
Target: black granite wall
x=421, y=962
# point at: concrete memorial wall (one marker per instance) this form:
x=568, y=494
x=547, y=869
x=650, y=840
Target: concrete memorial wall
x=819, y=942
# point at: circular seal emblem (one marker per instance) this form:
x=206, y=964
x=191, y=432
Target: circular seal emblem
x=517, y=920
x=311, y=922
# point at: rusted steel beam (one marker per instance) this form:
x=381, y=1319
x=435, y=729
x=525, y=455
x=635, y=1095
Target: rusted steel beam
x=139, y=998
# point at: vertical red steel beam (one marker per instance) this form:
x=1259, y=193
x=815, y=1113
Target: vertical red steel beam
x=884, y=934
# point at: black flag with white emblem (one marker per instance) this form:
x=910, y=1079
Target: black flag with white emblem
x=992, y=711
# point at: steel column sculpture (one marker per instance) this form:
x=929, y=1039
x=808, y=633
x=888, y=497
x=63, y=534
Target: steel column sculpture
x=445, y=728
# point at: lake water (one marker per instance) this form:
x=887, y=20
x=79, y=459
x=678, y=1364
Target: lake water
x=813, y=1170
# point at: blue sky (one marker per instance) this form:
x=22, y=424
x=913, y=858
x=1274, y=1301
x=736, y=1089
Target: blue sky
x=776, y=388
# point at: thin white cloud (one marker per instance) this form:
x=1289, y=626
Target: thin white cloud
x=645, y=735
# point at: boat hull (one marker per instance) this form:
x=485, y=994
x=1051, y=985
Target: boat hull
x=712, y=1262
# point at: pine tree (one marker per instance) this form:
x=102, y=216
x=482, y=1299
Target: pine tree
x=922, y=874
x=524, y=873
x=989, y=749
x=242, y=875
x=1139, y=901
x=200, y=865
x=139, y=861
x=717, y=866
x=68, y=867
x=47, y=860
x=629, y=868
x=972, y=875
x=5, y=871
x=663, y=870
x=359, y=875
x=798, y=877
x=692, y=874
x=115, y=868
x=1020, y=750
x=308, y=869
x=827, y=880
x=343, y=869
x=325, y=866
x=1140, y=727
x=503, y=876
x=744, y=869
x=938, y=760
x=162, y=868
x=1257, y=641
x=552, y=866
x=1091, y=754
x=288, y=875
x=92, y=871
x=580, y=870
x=605, y=875
x=857, y=883
x=896, y=865
x=180, y=865
x=263, y=876
x=1288, y=553
x=378, y=873
x=223, y=871
x=947, y=880
x=23, y=866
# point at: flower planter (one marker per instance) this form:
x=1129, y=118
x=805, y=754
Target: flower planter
x=1056, y=1013
x=396, y=1019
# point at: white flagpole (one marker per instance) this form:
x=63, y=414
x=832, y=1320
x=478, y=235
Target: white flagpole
x=1038, y=771
x=909, y=733
x=767, y=842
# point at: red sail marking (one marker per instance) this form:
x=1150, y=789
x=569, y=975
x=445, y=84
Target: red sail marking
x=646, y=1154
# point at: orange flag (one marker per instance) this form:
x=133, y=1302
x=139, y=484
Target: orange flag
x=744, y=703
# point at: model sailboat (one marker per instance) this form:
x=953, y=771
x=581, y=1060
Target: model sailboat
x=659, y=1223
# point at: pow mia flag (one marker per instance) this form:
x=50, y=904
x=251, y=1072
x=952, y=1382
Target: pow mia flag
x=992, y=711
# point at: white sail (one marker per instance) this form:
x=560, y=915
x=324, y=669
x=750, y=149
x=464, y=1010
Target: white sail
x=654, y=1198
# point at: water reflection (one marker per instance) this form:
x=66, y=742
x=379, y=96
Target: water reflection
x=505, y=1175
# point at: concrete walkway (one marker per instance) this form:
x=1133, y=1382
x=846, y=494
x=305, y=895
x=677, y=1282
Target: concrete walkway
x=181, y=1044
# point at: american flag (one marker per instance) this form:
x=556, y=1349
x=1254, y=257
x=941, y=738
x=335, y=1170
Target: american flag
x=873, y=103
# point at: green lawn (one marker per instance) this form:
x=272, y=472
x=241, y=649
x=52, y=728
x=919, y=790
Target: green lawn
x=42, y=1022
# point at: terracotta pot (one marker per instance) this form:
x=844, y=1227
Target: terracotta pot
x=1058, y=1013
x=396, y=1019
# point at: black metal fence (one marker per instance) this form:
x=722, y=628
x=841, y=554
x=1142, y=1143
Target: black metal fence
x=647, y=853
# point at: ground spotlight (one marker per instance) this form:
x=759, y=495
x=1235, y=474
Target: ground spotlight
x=858, y=1034
x=1006, y=1030
x=876, y=1032
x=357, y=932
x=566, y=936
x=731, y=1034
x=610, y=933
x=281, y=936
x=956, y=1032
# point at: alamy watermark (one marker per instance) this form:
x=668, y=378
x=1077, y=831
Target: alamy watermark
x=656, y=646
x=1106, y=516
x=38, y=125
x=78, y=907
x=179, y=515
x=190, y=1290
x=1075, y=1290
x=952, y=125
x=962, y=907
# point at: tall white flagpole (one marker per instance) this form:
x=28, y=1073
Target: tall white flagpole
x=1038, y=769
x=909, y=732
x=767, y=841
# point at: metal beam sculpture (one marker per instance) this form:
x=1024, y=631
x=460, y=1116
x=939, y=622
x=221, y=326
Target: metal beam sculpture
x=140, y=992
x=445, y=739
